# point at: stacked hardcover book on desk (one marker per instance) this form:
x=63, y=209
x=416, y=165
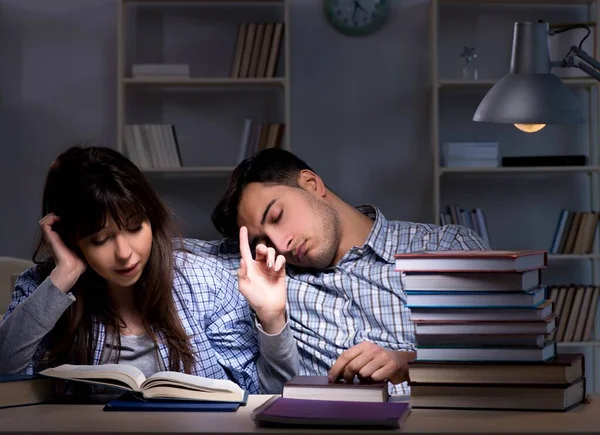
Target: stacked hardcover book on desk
x=481, y=326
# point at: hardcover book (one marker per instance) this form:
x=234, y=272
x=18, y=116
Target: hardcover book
x=309, y=387
x=471, y=261
x=164, y=385
x=291, y=412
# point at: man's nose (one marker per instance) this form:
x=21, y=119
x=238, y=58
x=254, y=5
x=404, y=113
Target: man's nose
x=282, y=242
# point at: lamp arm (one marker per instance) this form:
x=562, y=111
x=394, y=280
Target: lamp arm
x=591, y=67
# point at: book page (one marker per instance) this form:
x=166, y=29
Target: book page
x=120, y=375
x=190, y=381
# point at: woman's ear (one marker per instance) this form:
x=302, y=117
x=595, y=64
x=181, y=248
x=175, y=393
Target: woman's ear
x=312, y=183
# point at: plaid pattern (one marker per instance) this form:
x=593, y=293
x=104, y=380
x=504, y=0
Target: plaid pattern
x=359, y=299
x=213, y=313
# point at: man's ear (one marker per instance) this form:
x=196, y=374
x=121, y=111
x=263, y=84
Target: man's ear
x=312, y=183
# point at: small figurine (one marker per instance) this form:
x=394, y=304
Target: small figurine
x=469, y=72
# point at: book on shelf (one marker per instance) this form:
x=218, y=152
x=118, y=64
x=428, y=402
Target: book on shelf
x=313, y=387
x=257, y=136
x=575, y=232
x=576, y=308
x=319, y=413
x=473, y=219
x=257, y=50
x=160, y=70
x=20, y=389
x=152, y=145
x=470, y=154
x=476, y=261
x=534, y=161
x=161, y=385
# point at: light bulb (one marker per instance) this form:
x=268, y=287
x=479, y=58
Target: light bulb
x=530, y=128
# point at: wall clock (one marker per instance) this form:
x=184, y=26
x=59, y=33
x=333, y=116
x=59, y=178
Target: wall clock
x=357, y=17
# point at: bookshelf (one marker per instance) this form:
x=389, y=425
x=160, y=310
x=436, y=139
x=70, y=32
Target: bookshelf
x=208, y=106
x=521, y=204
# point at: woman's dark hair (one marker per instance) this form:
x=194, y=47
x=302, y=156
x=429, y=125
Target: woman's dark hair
x=84, y=187
x=272, y=166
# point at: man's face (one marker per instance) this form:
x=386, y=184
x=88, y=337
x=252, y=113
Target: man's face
x=300, y=225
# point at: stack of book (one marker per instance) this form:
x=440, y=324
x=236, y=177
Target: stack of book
x=482, y=321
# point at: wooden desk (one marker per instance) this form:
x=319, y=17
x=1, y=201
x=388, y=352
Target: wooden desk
x=91, y=419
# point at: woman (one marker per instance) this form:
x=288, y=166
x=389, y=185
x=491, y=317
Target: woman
x=111, y=287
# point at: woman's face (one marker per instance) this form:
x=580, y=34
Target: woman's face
x=119, y=255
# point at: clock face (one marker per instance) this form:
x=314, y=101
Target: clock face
x=357, y=17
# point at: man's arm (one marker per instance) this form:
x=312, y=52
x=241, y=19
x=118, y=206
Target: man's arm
x=278, y=361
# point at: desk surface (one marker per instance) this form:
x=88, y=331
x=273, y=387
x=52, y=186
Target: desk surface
x=91, y=419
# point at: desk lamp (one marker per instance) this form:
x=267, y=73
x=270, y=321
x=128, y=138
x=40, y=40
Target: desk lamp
x=530, y=96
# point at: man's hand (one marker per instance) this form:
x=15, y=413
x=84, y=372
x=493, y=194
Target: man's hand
x=369, y=361
x=262, y=282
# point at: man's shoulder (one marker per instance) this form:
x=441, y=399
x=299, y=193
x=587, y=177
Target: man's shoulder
x=417, y=235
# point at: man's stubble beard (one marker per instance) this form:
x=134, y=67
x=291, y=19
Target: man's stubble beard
x=330, y=231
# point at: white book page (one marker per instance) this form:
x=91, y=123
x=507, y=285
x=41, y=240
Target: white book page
x=102, y=374
x=191, y=381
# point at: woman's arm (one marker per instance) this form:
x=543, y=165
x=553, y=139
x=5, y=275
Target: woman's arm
x=33, y=312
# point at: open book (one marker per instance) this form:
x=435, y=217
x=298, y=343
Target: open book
x=161, y=385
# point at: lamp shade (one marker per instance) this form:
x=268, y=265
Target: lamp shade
x=530, y=93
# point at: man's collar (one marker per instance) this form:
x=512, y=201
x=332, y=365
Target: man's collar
x=378, y=235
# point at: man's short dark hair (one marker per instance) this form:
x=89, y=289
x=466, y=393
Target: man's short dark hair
x=271, y=166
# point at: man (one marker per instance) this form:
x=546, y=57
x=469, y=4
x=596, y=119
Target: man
x=346, y=304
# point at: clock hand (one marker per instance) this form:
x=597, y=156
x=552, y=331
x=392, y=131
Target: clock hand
x=359, y=6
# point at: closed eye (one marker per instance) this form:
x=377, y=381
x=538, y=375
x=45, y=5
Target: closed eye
x=135, y=229
x=99, y=242
x=278, y=218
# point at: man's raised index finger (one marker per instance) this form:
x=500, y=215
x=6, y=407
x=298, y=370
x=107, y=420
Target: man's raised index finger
x=245, y=245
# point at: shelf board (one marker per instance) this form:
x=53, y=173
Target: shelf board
x=579, y=343
x=203, y=1
x=488, y=83
x=520, y=169
x=190, y=170
x=517, y=2
x=192, y=82
x=573, y=256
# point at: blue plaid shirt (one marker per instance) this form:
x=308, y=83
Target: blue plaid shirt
x=212, y=311
x=359, y=299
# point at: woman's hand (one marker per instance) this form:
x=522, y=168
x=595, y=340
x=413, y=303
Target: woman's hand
x=69, y=266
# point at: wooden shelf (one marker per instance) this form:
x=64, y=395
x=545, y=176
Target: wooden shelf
x=573, y=256
x=193, y=82
x=203, y=1
x=516, y=2
x=190, y=170
x=579, y=343
x=520, y=169
x=475, y=84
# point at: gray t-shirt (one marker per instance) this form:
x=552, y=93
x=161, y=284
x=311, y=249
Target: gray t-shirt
x=135, y=350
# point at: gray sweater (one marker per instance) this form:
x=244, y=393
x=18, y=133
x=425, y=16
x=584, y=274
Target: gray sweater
x=22, y=331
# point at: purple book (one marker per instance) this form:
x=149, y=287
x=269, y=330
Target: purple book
x=291, y=412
